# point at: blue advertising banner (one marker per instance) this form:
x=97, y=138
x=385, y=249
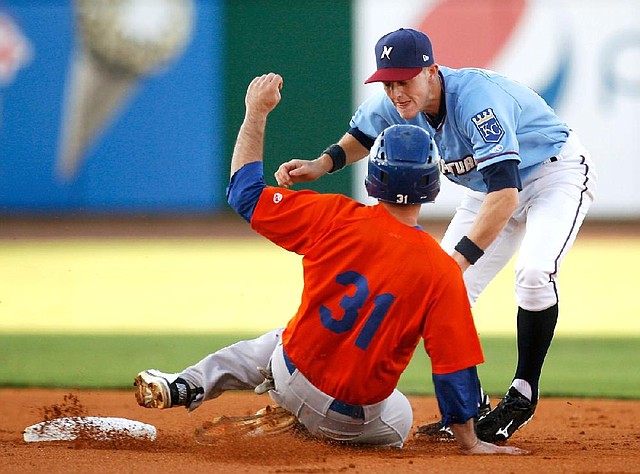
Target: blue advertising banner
x=111, y=106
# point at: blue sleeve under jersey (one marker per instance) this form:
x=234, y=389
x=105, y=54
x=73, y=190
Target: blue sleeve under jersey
x=245, y=188
x=365, y=140
x=458, y=395
x=501, y=175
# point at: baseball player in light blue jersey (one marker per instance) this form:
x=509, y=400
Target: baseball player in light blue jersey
x=529, y=181
x=505, y=122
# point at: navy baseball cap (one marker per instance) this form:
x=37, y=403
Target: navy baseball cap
x=401, y=55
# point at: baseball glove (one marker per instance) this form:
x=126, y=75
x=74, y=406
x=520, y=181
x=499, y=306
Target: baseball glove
x=267, y=421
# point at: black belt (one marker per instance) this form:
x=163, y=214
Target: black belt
x=354, y=411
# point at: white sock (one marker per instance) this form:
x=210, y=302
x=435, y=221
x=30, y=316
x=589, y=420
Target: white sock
x=523, y=387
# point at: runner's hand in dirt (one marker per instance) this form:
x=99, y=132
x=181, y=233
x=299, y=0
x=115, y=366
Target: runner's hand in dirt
x=470, y=444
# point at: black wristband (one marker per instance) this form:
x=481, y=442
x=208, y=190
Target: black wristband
x=338, y=157
x=469, y=250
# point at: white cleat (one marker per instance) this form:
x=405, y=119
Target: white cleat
x=152, y=389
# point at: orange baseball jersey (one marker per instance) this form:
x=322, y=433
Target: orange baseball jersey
x=372, y=288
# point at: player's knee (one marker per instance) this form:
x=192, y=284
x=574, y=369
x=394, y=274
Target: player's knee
x=535, y=288
x=397, y=420
x=532, y=277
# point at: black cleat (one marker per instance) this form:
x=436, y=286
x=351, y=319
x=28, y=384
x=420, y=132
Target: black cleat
x=435, y=432
x=438, y=432
x=511, y=414
x=485, y=406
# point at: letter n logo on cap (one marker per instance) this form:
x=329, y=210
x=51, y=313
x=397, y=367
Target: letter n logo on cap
x=386, y=51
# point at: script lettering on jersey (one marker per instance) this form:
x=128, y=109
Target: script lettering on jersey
x=460, y=167
x=487, y=124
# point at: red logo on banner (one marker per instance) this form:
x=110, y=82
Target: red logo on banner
x=470, y=33
x=15, y=51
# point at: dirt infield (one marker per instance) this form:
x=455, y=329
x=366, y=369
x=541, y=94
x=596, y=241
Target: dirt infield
x=566, y=435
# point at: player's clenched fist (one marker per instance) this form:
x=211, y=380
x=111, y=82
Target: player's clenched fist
x=298, y=171
x=263, y=93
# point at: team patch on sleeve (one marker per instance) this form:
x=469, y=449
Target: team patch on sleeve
x=487, y=124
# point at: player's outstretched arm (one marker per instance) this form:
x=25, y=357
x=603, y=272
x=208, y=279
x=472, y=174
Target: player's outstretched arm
x=302, y=171
x=263, y=95
x=470, y=444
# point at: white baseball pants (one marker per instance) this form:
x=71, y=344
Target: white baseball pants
x=387, y=423
x=553, y=204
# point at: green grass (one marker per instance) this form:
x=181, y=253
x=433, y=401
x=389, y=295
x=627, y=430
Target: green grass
x=575, y=366
x=579, y=367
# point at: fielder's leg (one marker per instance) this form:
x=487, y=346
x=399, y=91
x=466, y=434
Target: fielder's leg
x=495, y=257
x=553, y=222
x=557, y=197
x=476, y=277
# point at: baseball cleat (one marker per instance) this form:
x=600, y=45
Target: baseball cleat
x=155, y=389
x=152, y=389
x=435, y=432
x=485, y=406
x=512, y=413
x=438, y=432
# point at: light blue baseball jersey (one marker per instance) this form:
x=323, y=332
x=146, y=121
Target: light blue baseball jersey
x=489, y=118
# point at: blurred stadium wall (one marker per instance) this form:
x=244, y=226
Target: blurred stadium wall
x=131, y=106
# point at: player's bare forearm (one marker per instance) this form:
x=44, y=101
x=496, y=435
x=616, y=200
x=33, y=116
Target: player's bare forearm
x=263, y=95
x=299, y=171
x=495, y=211
x=469, y=443
x=250, y=141
x=354, y=150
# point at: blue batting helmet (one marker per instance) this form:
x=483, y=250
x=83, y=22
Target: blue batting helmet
x=403, y=166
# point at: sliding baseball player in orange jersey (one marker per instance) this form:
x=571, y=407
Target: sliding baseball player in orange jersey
x=375, y=285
